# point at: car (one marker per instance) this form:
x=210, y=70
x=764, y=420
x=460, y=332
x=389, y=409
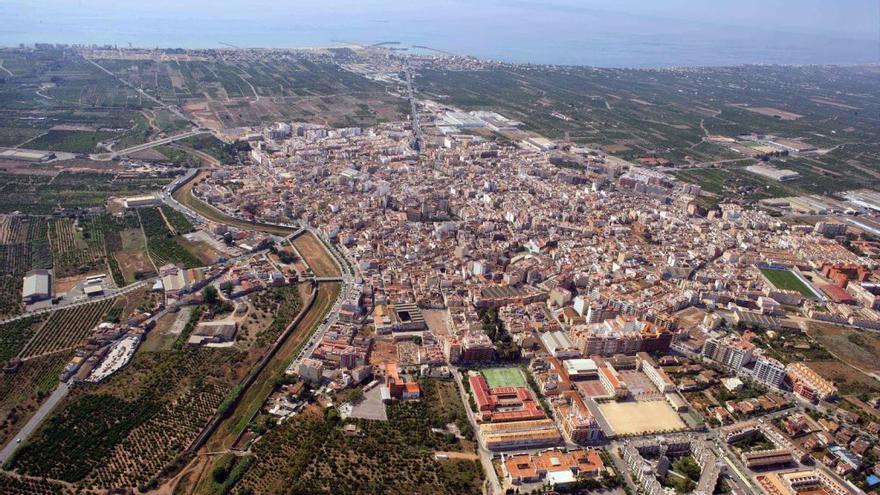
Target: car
x=18, y=440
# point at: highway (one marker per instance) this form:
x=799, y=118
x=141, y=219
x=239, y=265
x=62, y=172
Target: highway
x=144, y=146
x=35, y=421
x=159, y=142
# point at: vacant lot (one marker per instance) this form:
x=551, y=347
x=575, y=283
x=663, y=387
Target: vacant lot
x=848, y=379
x=132, y=258
x=320, y=261
x=635, y=418
x=786, y=280
x=857, y=347
x=504, y=377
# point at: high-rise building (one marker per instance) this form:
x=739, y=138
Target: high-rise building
x=769, y=371
x=732, y=352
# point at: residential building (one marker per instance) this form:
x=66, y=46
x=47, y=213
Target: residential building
x=808, y=384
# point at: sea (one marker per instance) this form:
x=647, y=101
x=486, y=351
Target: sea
x=509, y=31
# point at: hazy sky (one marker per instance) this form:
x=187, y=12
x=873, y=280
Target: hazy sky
x=842, y=18
x=584, y=32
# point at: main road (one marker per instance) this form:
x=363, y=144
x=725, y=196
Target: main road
x=35, y=421
x=417, y=130
x=493, y=486
x=150, y=144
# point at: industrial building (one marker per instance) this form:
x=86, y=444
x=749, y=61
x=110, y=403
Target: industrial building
x=37, y=286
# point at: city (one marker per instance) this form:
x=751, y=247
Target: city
x=317, y=271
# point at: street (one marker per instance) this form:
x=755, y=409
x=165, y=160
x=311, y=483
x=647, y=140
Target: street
x=493, y=486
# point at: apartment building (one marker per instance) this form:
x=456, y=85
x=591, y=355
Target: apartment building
x=808, y=384
x=769, y=371
x=623, y=334
x=730, y=351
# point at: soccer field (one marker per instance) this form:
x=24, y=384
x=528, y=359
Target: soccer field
x=640, y=418
x=785, y=280
x=504, y=377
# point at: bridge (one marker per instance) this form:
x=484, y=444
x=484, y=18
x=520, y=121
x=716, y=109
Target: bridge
x=148, y=145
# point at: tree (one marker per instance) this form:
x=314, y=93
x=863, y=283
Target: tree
x=220, y=473
x=211, y=295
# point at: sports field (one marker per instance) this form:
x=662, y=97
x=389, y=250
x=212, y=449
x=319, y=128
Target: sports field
x=504, y=377
x=785, y=280
x=638, y=418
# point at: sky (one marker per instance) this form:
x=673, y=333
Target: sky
x=582, y=32
x=857, y=19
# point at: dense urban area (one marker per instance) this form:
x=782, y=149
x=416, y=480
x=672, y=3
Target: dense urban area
x=373, y=270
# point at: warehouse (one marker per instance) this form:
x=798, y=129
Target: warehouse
x=37, y=286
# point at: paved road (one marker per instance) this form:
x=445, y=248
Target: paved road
x=417, y=130
x=34, y=422
x=67, y=304
x=158, y=142
x=493, y=487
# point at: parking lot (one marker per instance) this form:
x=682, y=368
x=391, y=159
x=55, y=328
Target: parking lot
x=371, y=407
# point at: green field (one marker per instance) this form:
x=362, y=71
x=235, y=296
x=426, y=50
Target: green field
x=504, y=377
x=785, y=280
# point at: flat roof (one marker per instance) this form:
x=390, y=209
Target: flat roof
x=580, y=365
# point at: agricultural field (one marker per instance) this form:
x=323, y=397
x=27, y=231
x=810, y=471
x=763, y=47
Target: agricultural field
x=311, y=454
x=71, y=141
x=76, y=249
x=73, y=191
x=123, y=432
x=65, y=328
x=178, y=221
x=135, y=426
x=15, y=335
x=22, y=392
x=218, y=92
x=13, y=485
x=24, y=245
x=78, y=104
x=162, y=244
x=634, y=113
x=786, y=280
